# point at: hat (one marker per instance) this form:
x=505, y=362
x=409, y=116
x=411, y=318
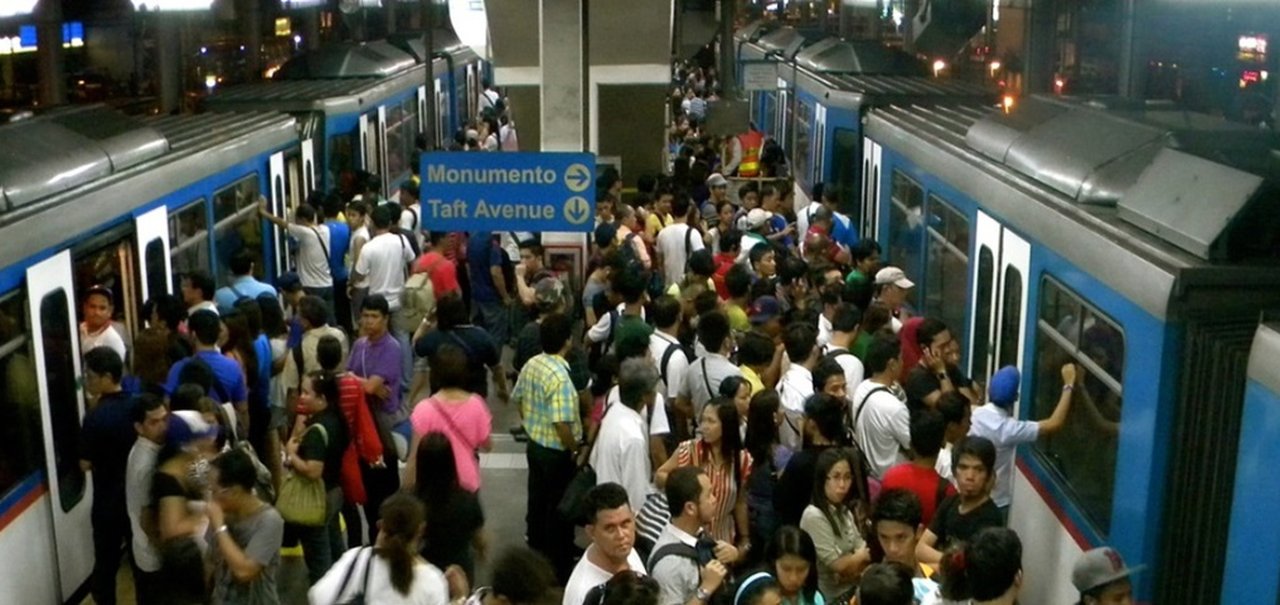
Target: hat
x=895, y=276
x=606, y=233
x=764, y=309
x=758, y=217
x=1099, y=567
x=631, y=337
x=289, y=282
x=548, y=292
x=1003, y=390
x=101, y=291
x=186, y=426
x=717, y=180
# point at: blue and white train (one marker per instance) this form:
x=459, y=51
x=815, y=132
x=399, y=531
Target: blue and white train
x=90, y=197
x=1141, y=243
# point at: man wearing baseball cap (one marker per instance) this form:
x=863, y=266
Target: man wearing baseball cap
x=1102, y=578
x=718, y=189
x=891, y=289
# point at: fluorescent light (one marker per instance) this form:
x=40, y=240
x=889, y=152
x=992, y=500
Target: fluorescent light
x=171, y=5
x=13, y=8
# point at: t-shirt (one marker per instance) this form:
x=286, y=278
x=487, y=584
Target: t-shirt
x=587, y=575
x=738, y=320
x=1006, y=432
x=259, y=535
x=921, y=381
x=676, y=242
x=883, y=425
x=923, y=482
x=483, y=253
x=106, y=337
x=227, y=375
x=952, y=526
x=313, y=263
x=702, y=380
x=244, y=286
x=359, y=238
x=475, y=342
x=314, y=445
x=451, y=527
x=106, y=438
x=383, y=260
x=381, y=358
x=429, y=586
x=465, y=424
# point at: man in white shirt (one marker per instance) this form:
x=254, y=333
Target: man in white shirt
x=150, y=420
x=611, y=527
x=702, y=380
x=892, y=286
x=97, y=330
x=881, y=422
x=995, y=421
x=313, y=250
x=411, y=212
x=358, y=219
x=664, y=347
x=678, y=241
x=796, y=385
x=845, y=319
x=384, y=261
x=956, y=410
x=621, y=453
x=197, y=290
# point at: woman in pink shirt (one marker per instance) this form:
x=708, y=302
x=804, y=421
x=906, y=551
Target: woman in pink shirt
x=460, y=415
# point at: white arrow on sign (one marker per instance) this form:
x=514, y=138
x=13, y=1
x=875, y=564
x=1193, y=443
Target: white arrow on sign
x=576, y=210
x=577, y=177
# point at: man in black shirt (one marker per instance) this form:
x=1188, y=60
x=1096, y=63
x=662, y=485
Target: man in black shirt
x=937, y=372
x=959, y=517
x=106, y=438
x=823, y=429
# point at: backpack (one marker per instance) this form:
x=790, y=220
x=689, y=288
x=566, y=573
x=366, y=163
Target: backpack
x=657, y=280
x=417, y=302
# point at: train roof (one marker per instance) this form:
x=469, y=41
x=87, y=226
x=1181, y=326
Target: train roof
x=751, y=32
x=779, y=44
x=330, y=96
x=342, y=60
x=1142, y=262
x=443, y=40
x=857, y=91
x=194, y=147
x=834, y=55
x=1264, y=357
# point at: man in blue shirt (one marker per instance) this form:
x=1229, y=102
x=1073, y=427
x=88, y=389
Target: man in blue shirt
x=242, y=284
x=490, y=296
x=339, y=242
x=228, y=381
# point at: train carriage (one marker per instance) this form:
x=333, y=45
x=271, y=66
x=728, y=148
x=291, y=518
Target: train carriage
x=1139, y=244
x=93, y=197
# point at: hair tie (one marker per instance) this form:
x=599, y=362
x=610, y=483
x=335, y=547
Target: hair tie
x=957, y=560
x=759, y=575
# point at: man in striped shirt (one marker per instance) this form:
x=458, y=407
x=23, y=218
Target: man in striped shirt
x=548, y=403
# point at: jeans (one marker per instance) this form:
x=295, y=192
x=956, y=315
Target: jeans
x=550, y=472
x=496, y=319
x=327, y=295
x=322, y=545
x=111, y=532
x=357, y=300
x=406, y=352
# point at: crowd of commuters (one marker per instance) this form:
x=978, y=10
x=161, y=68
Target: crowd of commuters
x=737, y=404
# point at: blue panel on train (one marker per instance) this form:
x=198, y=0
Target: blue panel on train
x=508, y=191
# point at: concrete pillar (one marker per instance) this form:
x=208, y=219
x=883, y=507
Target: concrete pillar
x=389, y=13
x=53, y=86
x=728, y=12
x=169, y=64
x=1131, y=55
x=562, y=48
x=1040, y=47
x=253, y=39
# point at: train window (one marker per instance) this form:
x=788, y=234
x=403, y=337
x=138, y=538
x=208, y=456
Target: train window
x=906, y=219
x=107, y=260
x=1011, y=317
x=64, y=412
x=844, y=171
x=1083, y=454
x=189, y=240
x=800, y=156
x=21, y=438
x=947, y=268
x=400, y=125
x=153, y=252
x=982, y=313
x=342, y=157
x=237, y=227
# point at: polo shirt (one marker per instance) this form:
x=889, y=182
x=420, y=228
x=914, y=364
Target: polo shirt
x=383, y=261
x=545, y=395
x=380, y=357
x=883, y=428
x=243, y=286
x=677, y=577
x=1006, y=433
x=702, y=381
x=226, y=374
x=621, y=454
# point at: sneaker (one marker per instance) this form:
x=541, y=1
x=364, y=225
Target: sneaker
x=519, y=434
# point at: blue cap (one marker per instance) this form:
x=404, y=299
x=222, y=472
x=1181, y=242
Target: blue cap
x=186, y=426
x=1004, y=386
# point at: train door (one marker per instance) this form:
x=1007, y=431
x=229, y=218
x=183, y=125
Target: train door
x=279, y=206
x=819, y=143
x=783, y=117
x=443, y=132
x=871, y=163
x=308, y=167
x=51, y=305
x=473, y=91
x=381, y=139
x=422, y=109
x=152, y=230
x=368, y=147
x=999, y=298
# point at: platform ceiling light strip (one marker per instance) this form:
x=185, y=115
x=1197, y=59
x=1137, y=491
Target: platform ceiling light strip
x=13, y=8
x=172, y=5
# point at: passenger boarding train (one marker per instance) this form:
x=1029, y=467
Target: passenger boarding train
x=89, y=196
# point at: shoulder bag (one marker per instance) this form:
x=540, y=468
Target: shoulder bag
x=302, y=499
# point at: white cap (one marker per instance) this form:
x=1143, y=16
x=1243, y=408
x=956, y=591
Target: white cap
x=758, y=217
x=717, y=180
x=895, y=276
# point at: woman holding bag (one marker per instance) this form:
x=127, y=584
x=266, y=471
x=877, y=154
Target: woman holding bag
x=315, y=459
x=454, y=411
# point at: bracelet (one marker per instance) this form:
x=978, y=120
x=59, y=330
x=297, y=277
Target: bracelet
x=702, y=595
x=1068, y=387
x=222, y=529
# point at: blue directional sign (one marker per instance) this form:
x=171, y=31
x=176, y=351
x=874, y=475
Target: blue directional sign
x=502, y=191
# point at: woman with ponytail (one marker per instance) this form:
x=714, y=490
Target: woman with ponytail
x=390, y=572
x=985, y=571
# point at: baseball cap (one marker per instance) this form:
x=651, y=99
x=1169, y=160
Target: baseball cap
x=1099, y=567
x=548, y=292
x=1003, y=390
x=186, y=426
x=717, y=180
x=605, y=234
x=289, y=282
x=100, y=291
x=631, y=337
x=764, y=309
x=758, y=217
x=895, y=276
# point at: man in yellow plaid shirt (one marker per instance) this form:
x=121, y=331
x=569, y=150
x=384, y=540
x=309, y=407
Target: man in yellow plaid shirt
x=549, y=405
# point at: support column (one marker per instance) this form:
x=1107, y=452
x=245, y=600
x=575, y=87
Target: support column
x=169, y=51
x=728, y=12
x=53, y=87
x=1131, y=63
x=1040, y=47
x=389, y=12
x=563, y=51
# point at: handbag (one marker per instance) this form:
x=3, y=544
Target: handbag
x=575, y=494
x=302, y=500
x=358, y=598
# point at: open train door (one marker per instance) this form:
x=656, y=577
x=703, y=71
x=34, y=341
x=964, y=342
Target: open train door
x=308, y=169
x=872, y=155
x=56, y=338
x=381, y=151
x=279, y=207
x=1000, y=299
x=153, y=252
x=422, y=109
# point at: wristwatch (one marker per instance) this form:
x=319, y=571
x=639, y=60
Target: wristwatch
x=702, y=595
x=221, y=529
